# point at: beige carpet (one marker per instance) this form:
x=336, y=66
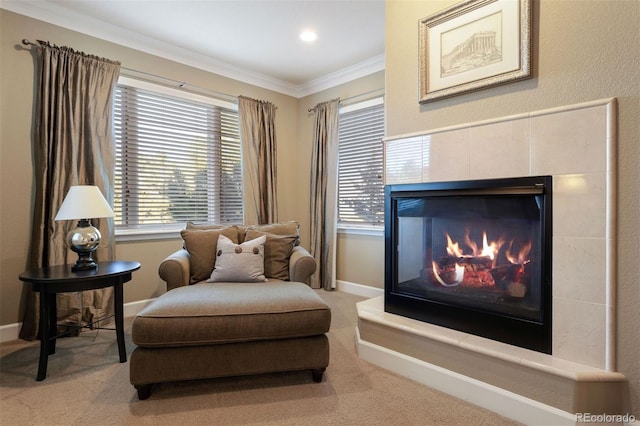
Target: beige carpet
x=86, y=384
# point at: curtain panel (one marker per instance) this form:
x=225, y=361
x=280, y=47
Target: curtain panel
x=73, y=144
x=258, y=136
x=324, y=193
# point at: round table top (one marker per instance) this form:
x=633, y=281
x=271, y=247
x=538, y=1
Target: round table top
x=63, y=273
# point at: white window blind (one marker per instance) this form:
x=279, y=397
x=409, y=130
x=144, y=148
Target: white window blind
x=177, y=160
x=360, y=167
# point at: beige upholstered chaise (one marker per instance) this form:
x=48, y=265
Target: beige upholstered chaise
x=201, y=329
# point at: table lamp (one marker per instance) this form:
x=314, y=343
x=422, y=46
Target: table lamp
x=84, y=202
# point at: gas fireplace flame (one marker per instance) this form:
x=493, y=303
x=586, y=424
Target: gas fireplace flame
x=489, y=249
x=453, y=248
x=484, y=266
x=457, y=278
x=522, y=258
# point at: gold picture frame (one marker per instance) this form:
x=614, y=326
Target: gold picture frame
x=474, y=45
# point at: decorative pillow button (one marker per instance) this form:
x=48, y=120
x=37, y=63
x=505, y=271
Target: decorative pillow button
x=238, y=249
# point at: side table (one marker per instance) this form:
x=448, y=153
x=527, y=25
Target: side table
x=60, y=279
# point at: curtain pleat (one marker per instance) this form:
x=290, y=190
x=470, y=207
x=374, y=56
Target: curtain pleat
x=73, y=144
x=258, y=136
x=324, y=193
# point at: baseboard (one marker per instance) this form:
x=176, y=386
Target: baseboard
x=500, y=401
x=132, y=308
x=11, y=332
x=359, y=289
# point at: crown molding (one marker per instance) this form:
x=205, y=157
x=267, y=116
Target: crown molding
x=364, y=68
x=56, y=15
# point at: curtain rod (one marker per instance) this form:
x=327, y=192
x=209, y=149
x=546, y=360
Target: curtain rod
x=183, y=84
x=155, y=78
x=180, y=84
x=342, y=101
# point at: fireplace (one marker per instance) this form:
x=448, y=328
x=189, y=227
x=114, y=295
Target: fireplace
x=572, y=375
x=474, y=256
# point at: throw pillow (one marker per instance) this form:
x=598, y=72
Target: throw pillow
x=239, y=262
x=202, y=246
x=207, y=226
x=277, y=251
x=282, y=228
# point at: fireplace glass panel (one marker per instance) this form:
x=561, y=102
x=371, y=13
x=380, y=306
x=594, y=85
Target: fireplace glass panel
x=474, y=256
x=481, y=252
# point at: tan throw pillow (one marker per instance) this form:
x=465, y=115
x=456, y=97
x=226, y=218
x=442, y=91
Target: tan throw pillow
x=239, y=262
x=207, y=226
x=277, y=251
x=283, y=228
x=202, y=246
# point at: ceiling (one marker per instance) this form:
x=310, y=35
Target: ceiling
x=255, y=41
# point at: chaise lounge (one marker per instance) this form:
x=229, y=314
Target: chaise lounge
x=222, y=317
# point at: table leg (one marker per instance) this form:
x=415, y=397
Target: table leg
x=44, y=335
x=118, y=309
x=53, y=322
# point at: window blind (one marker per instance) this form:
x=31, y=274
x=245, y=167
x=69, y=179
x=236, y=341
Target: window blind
x=177, y=160
x=360, y=167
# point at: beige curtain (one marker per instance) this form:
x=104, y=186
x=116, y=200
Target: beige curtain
x=324, y=193
x=258, y=134
x=72, y=145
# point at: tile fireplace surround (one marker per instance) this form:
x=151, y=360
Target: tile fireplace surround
x=576, y=145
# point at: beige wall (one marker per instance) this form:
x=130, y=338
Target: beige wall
x=582, y=51
x=16, y=167
x=360, y=258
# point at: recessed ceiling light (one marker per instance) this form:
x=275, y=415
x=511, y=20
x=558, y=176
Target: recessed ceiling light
x=308, y=36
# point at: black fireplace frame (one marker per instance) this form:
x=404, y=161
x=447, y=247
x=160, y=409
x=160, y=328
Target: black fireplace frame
x=529, y=334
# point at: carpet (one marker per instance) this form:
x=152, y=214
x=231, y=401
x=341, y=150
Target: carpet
x=86, y=384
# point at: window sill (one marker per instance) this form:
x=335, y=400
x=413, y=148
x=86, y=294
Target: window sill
x=126, y=235
x=377, y=231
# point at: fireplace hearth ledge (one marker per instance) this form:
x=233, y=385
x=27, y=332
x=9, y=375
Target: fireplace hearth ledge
x=545, y=383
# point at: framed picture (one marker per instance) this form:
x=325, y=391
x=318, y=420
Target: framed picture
x=474, y=45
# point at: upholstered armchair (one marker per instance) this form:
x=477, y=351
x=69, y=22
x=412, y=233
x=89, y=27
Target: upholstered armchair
x=284, y=258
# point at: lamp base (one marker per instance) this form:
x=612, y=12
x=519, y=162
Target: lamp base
x=85, y=262
x=84, y=240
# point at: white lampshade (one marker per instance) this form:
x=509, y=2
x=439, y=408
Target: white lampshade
x=84, y=202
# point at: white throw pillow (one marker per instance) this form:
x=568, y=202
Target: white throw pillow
x=239, y=262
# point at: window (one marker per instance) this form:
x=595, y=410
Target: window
x=178, y=158
x=360, y=167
